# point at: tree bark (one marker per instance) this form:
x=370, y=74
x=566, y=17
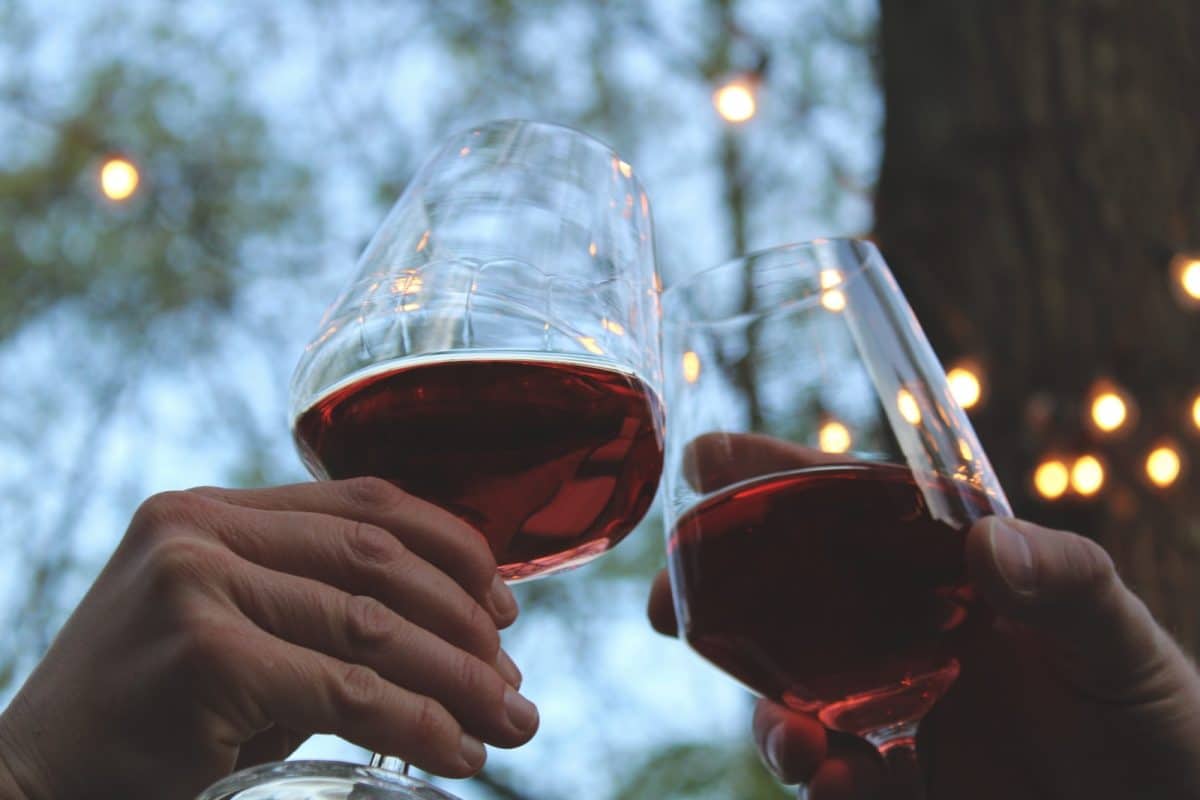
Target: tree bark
x=1041, y=166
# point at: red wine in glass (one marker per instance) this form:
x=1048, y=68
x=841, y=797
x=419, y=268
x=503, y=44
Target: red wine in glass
x=554, y=461
x=830, y=589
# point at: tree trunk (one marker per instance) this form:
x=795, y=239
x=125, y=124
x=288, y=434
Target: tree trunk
x=1041, y=166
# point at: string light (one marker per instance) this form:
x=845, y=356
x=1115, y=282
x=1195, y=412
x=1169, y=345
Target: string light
x=119, y=179
x=1185, y=277
x=965, y=386
x=1051, y=479
x=834, y=437
x=1163, y=466
x=1196, y=411
x=735, y=101
x=1109, y=409
x=1087, y=475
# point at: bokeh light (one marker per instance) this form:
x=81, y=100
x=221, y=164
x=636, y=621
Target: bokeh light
x=119, y=179
x=834, y=437
x=1087, y=475
x=965, y=386
x=735, y=101
x=1109, y=411
x=1163, y=466
x=1051, y=479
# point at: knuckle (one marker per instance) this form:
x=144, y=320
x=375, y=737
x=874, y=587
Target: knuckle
x=179, y=560
x=475, y=680
x=428, y=719
x=371, y=546
x=1090, y=567
x=357, y=691
x=372, y=492
x=164, y=511
x=369, y=623
x=484, y=638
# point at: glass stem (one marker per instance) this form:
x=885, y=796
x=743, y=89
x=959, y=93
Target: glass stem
x=390, y=763
x=898, y=746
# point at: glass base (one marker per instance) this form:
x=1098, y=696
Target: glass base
x=321, y=780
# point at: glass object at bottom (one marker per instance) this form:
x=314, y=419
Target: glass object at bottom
x=321, y=780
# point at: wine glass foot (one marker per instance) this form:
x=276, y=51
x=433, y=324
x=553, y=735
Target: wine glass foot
x=321, y=780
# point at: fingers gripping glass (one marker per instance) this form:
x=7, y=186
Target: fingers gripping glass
x=820, y=480
x=497, y=354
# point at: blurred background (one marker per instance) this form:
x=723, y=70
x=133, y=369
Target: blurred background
x=184, y=187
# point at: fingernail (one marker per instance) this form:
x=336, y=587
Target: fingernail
x=522, y=714
x=503, y=601
x=1011, y=554
x=472, y=752
x=508, y=670
x=773, y=749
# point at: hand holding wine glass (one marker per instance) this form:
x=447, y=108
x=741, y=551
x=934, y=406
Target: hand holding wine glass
x=1074, y=693
x=229, y=625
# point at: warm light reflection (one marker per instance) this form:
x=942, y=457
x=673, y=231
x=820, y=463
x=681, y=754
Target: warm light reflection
x=907, y=405
x=965, y=386
x=1051, y=479
x=735, y=102
x=119, y=179
x=834, y=437
x=691, y=367
x=592, y=250
x=466, y=151
x=1163, y=466
x=964, y=449
x=834, y=300
x=408, y=284
x=1087, y=475
x=424, y=241
x=1109, y=411
x=831, y=278
x=590, y=345
x=613, y=327
x=625, y=168
x=1196, y=411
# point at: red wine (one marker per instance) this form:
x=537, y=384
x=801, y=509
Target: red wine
x=553, y=461
x=830, y=589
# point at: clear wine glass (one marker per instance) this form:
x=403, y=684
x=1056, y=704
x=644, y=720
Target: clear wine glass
x=820, y=478
x=497, y=353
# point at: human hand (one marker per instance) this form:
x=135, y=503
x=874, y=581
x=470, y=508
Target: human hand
x=1074, y=693
x=229, y=625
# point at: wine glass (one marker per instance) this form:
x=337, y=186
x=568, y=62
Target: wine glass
x=820, y=479
x=497, y=354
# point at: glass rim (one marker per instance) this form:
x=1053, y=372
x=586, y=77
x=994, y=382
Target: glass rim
x=451, y=139
x=374, y=777
x=670, y=294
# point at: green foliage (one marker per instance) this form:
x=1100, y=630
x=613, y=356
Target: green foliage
x=701, y=770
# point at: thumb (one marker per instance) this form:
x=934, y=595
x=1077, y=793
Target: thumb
x=1065, y=588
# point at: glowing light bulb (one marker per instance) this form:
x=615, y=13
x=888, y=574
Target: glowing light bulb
x=119, y=179
x=1196, y=411
x=1051, y=479
x=1189, y=278
x=1109, y=411
x=735, y=102
x=1163, y=466
x=965, y=386
x=1087, y=475
x=834, y=437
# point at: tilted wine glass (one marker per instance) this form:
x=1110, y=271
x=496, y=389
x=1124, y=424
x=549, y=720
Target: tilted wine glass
x=820, y=478
x=497, y=354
